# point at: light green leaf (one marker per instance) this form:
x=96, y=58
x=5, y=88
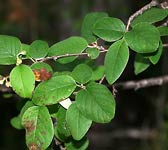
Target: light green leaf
x=87, y=25
x=163, y=31
x=140, y=64
x=82, y=73
x=77, y=145
x=116, y=60
x=143, y=38
x=16, y=122
x=9, y=48
x=39, y=127
x=93, y=53
x=96, y=103
x=52, y=91
x=151, y=16
x=156, y=55
x=38, y=49
x=72, y=45
x=109, y=29
x=22, y=81
x=78, y=126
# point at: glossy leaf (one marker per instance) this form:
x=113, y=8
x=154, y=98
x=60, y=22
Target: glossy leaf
x=82, y=73
x=52, y=91
x=140, y=64
x=151, y=16
x=22, y=81
x=38, y=49
x=163, y=31
x=72, y=45
x=96, y=103
x=143, y=38
x=39, y=127
x=116, y=60
x=87, y=25
x=109, y=29
x=78, y=126
x=156, y=55
x=77, y=145
x=9, y=48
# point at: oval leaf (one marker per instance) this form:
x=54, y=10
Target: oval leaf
x=140, y=64
x=54, y=90
x=87, y=25
x=78, y=126
x=109, y=29
x=143, y=38
x=82, y=73
x=163, y=31
x=72, y=45
x=9, y=48
x=38, y=49
x=116, y=60
x=39, y=127
x=22, y=80
x=96, y=103
x=151, y=16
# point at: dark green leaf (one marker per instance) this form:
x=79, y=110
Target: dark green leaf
x=140, y=64
x=116, y=60
x=78, y=126
x=87, y=25
x=52, y=91
x=82, y=73
x=151, y=16
x=39, y=127
x=22, y=80
x=72, y=45
x=98, y=73
x=143, y=38
x=96, y=103
x=77, y=145
x=109, y=29
x=163, y=31
x=9, y=48
x=38, y=49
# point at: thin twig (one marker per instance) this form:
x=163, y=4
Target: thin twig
x=165, y=45
x=139, y=12
x=102, y=79
x=144, y=83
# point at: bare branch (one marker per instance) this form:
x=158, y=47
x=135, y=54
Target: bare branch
x=139, y=12
x=165, y=45
x=144, y=83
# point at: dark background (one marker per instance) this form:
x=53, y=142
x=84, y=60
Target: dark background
x=141, y=121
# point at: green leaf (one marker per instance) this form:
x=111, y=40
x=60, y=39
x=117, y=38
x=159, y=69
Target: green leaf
x=62, y=127
x=93, y=53
x=143, y=38
x=82, y=73
x=39, y=127
x=27, y=105
x=150, y=16
x=98, y=73
x=96, y=103
x=42, y=65
x=77, y=145
x=72, y=45
x=109, y=29
x=87, y=25
x=22, y=81
x=38, y=49
x=16, y=122
x=78, y=126
x=140, y=64
x=163, y=31
x=9, y=48
x=52, y=91
x=156, y=55
x=116, y=60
